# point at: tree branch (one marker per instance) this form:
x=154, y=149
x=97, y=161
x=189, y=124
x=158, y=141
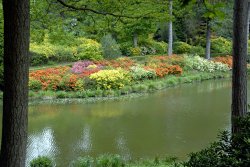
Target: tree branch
x=86, y=9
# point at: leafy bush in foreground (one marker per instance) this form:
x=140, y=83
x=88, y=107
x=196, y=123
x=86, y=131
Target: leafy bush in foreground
x=41, y=161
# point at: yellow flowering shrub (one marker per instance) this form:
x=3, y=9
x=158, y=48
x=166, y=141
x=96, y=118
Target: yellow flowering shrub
x=111, y=79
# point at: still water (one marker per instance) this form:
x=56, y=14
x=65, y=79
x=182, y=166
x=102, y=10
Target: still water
x=173, y=122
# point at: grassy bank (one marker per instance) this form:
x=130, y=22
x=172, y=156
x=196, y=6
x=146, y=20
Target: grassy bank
x=136, y=89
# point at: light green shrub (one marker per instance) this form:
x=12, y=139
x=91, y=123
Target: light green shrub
x=88, y=50
x=221, y=45
x=135, y=51
x=110, y=79
x=182, y=47
x=139, y=73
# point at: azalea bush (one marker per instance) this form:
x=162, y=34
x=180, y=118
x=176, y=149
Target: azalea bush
x=138, y=73
x=201, y=64
x=58, y=78
x=228, y=60
x=111, y=79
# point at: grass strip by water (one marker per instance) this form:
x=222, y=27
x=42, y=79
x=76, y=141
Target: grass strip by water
x=136, y=89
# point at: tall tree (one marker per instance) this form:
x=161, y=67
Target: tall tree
x=170, y=29
x=16, y=69
x=239, y=86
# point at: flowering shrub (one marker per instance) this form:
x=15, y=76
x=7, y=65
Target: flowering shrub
x=201, y=64
x=80, y=66
x=225, y=60
x=164, y=70
x=111, y=79
x=57, y=78
x=139, y=73
x=124, y=63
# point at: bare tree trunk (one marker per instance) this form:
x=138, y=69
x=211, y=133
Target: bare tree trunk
x=208, y=40
x=170, y=30
x=16, y=69
x=239, y=81
x=135, y=39
x=248, y=20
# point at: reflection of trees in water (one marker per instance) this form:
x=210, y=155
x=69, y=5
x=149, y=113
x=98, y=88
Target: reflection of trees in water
x=85, y=142
x=213, y=86
x=41, y=144
x=122, y=147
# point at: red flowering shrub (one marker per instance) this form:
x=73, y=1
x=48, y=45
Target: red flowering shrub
x=225, y=60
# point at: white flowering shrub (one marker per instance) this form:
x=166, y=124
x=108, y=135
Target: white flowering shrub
x=200, y=64
x=139, y=73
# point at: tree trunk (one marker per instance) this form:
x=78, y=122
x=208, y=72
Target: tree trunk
x=135, y=39
x=239, y=81
x=16, y=69
x=208, y=40
x=170, y=30
x=248, y=20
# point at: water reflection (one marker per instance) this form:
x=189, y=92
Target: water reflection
x=41, y=144
x=122, y=146
x=85, y=143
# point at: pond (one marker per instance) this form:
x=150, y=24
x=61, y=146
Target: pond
x=172, y=122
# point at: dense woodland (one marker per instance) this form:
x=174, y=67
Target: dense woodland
x=162, y=43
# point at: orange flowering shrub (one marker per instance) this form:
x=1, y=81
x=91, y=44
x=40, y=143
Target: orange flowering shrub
x=57, y=78
x=225, y=60
x=164, y=69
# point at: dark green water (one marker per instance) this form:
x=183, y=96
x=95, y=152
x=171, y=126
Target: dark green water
x=172, y=122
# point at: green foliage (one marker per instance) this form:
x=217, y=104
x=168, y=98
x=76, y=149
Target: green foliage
x=41, y=161
x=139, y=73
x=83, y=162
x=110, y=48
x=88, y=50
x=221, y=45
x=181, y=47
x=135, y=51
x=152, y=47
x=124, y=46
x=108, y=160
x=199, y=50
x=35, y=84
x=230, y=150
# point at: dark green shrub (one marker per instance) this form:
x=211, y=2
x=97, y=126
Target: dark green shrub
x=41, y=161
x=199, y=50
x=37, y=59
x=110, y=48
x=108, y=160
x=124, y=47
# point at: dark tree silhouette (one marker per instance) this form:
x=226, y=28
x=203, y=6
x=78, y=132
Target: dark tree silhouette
x=16, y=69
x=239, y=90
